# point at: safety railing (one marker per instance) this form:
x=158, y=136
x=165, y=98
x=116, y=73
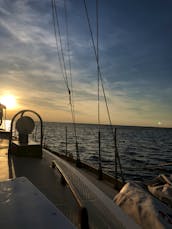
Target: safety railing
x=83, y=213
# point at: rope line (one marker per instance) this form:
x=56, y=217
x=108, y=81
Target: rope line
x=71, y=83
x=70, y=69
x=117, y=158
x=55, y=34
x=97, y=51
x=61, y=49
x=97, y=61
x=98, y=92
x=63, y=66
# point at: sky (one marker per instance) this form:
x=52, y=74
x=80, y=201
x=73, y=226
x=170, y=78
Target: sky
x=135, y=54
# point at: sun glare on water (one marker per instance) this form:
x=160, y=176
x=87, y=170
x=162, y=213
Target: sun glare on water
x=9, y=101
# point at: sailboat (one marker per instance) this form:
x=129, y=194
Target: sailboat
x=43, y=189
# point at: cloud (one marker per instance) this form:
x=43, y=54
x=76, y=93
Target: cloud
x=134, y=56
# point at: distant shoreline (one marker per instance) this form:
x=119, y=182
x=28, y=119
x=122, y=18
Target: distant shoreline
x=117, y=126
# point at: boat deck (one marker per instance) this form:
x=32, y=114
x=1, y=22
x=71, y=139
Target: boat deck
x=22, y=205
x=96, y=195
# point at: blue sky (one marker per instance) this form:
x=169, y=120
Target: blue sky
x=135, y=46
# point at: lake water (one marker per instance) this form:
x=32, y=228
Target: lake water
x=142, y=150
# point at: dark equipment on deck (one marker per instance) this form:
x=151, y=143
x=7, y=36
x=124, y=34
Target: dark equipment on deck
x=25, y=125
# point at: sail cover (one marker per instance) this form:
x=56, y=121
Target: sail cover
x=141, y=205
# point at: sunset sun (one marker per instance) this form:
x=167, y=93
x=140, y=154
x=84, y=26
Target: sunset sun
x=9, y=101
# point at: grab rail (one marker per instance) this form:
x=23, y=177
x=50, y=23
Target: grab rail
x=83, y=210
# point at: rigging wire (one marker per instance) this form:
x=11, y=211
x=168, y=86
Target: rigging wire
x=97, y=61
x=97, y=51
x=70, y=69
x=63, y=66
x=117, y=158
x=55, y=34
x=61, y=48
x=100, y=174
x=71, y=84
x=67, y=41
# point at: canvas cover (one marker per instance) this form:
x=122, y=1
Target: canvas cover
x=148, y=211
x=161, y=187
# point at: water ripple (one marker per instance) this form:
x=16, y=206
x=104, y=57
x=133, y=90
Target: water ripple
x=138, y=147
